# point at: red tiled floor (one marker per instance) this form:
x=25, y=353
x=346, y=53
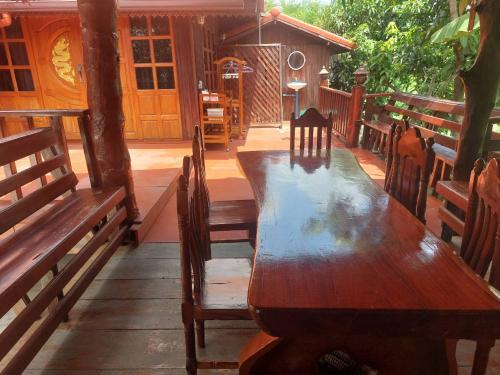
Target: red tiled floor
x=226, y=181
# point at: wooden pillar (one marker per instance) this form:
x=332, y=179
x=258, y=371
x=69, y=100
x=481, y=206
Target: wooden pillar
x=357, y=94
x=183, y=29
x=481, y=86
x=98, y=20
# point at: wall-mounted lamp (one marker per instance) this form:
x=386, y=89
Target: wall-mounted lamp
x=323, y=77
x=201, y=20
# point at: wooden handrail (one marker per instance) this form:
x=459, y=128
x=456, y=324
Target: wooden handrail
x=42, y=112
x=335, y=91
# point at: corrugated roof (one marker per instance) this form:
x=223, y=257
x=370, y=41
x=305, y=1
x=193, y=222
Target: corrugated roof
x=301, y=26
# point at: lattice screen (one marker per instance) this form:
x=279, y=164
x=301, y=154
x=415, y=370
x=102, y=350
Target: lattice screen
x=262, y=88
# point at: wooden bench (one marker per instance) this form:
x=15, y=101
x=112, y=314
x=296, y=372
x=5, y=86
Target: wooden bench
x=456, y=193
x=45, y=218
x=432, y=116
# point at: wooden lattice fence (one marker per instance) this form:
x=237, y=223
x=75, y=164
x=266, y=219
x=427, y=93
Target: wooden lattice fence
x=262, y=88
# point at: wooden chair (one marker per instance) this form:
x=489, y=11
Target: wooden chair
x=481, y=240
x=409, y=167
x=309, y=120
x=212, y=289
x=221, y=215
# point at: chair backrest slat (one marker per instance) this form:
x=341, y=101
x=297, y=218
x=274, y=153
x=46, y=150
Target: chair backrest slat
x=408, y=169
x=310, y=120
x=481, y=239
x=21, y=209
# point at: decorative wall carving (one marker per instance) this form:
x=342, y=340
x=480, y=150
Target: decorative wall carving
x=61, y=59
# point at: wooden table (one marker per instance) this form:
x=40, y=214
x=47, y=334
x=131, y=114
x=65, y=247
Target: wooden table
x=337, y=258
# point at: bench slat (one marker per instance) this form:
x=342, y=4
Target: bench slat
x=19, y=179
x=26, y=206
x=443, y=123
x=18, y=146
x=441, y=139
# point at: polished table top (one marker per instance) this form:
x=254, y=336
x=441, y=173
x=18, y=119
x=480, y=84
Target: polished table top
x=331, y=243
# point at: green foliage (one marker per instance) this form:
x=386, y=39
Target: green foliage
x=394, y=42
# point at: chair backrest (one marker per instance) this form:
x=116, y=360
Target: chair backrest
x=192, y=233
x=200, y=179
x=48, y=176
x=411, y=165
x=481, y=239
x=309, y=120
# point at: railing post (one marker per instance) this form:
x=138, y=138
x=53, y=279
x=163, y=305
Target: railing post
x=356, y=107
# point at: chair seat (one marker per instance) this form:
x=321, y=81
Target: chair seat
x=232, y=215
x=455, y=192
x=445, y=154
x=380, y=126
x=225, y=289
x=28, y=254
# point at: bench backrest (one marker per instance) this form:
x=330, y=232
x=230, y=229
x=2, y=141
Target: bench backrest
x=48, y=176
x=429, y=114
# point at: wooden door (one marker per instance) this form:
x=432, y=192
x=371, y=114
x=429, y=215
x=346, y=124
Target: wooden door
x=58, y=55
x=19, y=86
x=153, y=76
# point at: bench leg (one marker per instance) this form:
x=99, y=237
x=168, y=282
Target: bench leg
x=436, y=171
x=60, y=295
x=252, y=234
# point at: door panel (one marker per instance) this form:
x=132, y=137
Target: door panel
x=153, y=76
x=58, y=55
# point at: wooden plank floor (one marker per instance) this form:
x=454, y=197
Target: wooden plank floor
x=128, y=322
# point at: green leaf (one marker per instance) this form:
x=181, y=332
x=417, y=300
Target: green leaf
x=454, y=30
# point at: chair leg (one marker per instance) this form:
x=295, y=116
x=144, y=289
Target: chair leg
x=200, y=333
x=481, y=356
x=191, y=361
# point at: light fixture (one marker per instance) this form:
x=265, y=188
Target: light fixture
x=201, y=20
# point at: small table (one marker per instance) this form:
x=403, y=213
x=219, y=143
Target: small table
x=340, y=263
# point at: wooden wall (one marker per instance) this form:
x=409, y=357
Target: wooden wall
x=317, y=54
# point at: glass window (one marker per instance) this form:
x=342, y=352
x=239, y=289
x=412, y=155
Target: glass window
x=15, y=30
x=138, y=26
x=24, y=80
x=144, y=78
x=142, y=54
x=165, y=76
x=160, y=25
x=6, y=80
x=3, y=55
x=163, y=50
x=18, y=53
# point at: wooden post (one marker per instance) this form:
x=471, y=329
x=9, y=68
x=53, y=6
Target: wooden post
x=98, y=19
x=358, y=91
x=481, y=85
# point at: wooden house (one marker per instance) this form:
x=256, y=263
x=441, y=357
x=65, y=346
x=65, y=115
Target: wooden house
x=167, y=49
x=266, y=45
x=167, y=53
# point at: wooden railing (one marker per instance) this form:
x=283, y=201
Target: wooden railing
x=338, y=103
x=55, y=120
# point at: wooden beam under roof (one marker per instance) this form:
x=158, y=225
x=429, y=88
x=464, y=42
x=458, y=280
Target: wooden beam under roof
x=177, y=6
